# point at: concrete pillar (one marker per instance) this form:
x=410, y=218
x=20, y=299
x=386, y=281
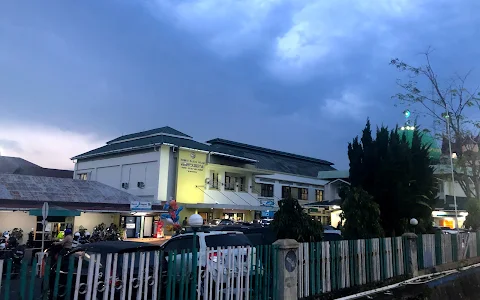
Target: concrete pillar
x=411, y=252
x=287, y=269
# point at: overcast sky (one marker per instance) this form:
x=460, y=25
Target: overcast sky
x=294, y=75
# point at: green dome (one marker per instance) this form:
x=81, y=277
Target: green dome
x=427, y=140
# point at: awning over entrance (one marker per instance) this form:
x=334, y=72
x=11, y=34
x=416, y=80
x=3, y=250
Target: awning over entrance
x=56, y=211
x=231, y=207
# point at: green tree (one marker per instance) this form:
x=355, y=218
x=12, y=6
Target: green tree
x=473, y=219
x=396, y=174
x=361, y=214
x=291, y=222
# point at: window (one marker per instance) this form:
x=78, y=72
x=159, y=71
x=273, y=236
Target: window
x=318, y=195
x=229, y=183
x=286, y=190
x=227, y=240
x=266, y=190
x=302, y=194
x=82, y=176
x=179, y=244
x=241, y=184
x=214, y=181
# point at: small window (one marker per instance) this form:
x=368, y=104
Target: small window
x=286, y=192
x=82, y=176
x=318, y=195
x=266, y=190
x=229, y=183
x=214, y=181
x=241, y=184
x=303, y=194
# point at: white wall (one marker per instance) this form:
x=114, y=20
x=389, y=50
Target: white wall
x=90, y=220
x=131, y=169
x=17, y=219
x=280, y=180
x=448, y=189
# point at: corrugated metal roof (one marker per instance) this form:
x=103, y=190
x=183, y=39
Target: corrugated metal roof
x=42, y=189
x=165, y=130
x=273, y=160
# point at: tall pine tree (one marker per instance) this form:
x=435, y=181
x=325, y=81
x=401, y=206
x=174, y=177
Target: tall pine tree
x=396, y=174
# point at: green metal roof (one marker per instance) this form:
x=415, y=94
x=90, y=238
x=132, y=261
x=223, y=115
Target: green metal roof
x=427, y=140
x=166, y=130
x=143, y=143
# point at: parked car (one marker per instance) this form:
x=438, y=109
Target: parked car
x=257, y=234
x=266, y=222
x=86, y=251
x=212, y=240
x=331, y=229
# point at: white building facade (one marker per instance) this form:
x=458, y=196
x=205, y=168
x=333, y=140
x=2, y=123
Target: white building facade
x=218, y=179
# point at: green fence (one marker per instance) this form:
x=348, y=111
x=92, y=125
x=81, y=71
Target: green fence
x=220, y=273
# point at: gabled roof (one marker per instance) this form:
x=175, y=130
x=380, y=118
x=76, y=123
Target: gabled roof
x=45, y=172
x=166, y=130
x=273, y=160
x=143, y=143
x=20, y=166
x=8, y=165
x=42, y=189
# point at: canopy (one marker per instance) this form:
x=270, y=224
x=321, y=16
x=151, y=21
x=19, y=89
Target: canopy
x=56, y=211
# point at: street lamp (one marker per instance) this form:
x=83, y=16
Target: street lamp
x=413, y=222
x=446, y=115
x=195, y=221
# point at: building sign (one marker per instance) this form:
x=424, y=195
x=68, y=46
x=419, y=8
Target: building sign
x=191, y=176
x=130, y=225
x=191, y=163
x=267, y=202
x=140, y=206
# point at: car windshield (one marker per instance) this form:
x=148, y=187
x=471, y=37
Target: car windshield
x=226, y=240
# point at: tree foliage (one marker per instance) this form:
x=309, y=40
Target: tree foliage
x=396, y=174
x=291, y=222
x=473, y=219
x=361, y=214
x=430, y=96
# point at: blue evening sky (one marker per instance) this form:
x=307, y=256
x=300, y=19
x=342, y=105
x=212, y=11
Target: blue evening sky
x=294, y=75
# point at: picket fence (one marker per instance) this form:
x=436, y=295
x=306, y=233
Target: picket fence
x=221, y=273
x=231, y=273
x=328, y=266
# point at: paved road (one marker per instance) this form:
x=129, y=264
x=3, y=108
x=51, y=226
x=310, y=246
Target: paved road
x=465, y=285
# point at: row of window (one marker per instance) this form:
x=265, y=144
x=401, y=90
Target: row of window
x=266, y=190
x=231, y=182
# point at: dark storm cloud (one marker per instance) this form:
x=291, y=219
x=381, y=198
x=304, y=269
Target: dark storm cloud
x=298, y=76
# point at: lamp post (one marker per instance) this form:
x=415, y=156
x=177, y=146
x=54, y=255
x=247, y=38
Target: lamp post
x=446, y=115
x=413, y=222
x=195, y=221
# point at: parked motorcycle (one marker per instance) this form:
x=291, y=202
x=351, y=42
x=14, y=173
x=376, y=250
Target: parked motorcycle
x=14, y=252
x=30, y=241
x=104, y=233
x=82, y=236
